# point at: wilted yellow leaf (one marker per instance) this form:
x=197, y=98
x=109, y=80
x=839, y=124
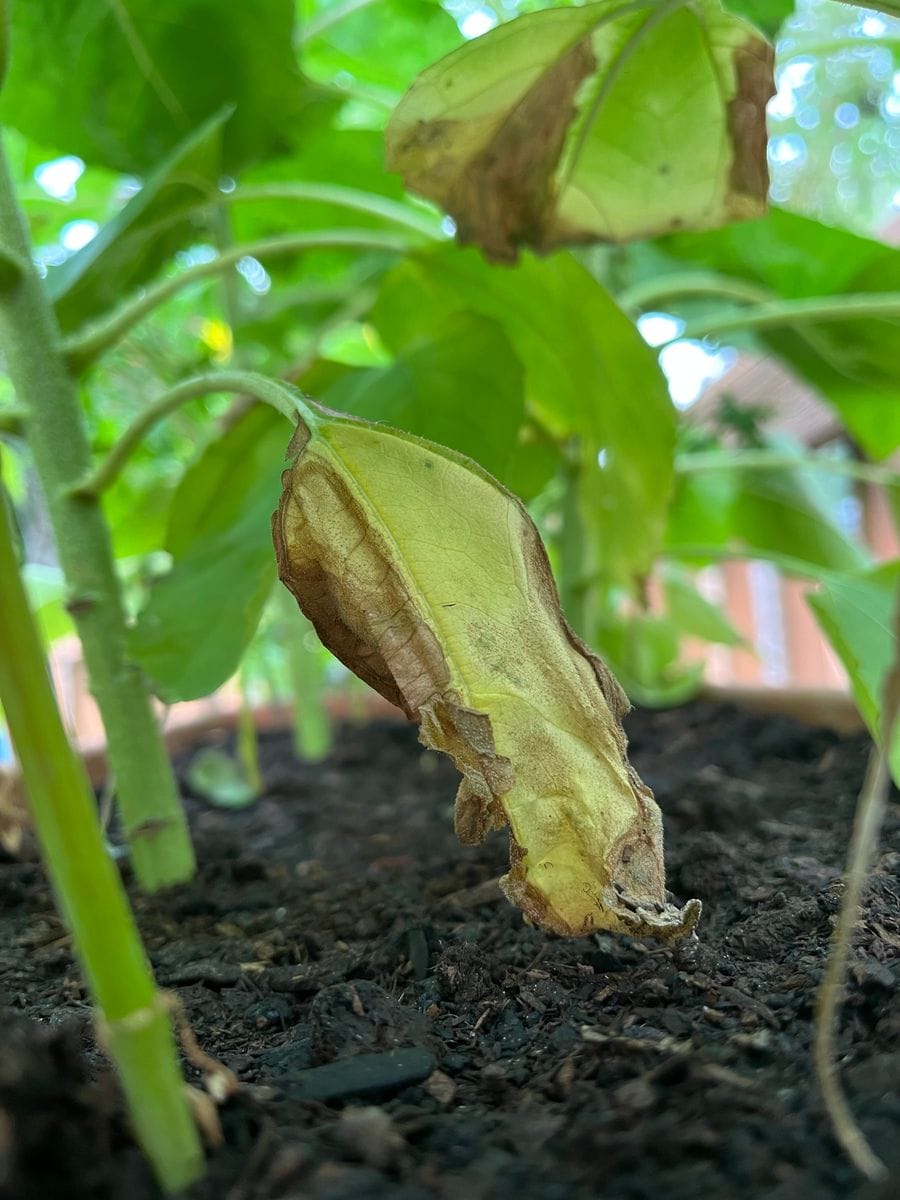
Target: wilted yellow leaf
x=429, y=580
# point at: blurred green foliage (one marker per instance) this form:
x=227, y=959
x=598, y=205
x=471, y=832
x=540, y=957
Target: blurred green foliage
x=171, y=132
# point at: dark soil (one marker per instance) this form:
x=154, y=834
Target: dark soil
x=398, y=1032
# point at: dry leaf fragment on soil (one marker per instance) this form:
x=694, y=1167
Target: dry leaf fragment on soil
x=608, y=121
x=429, y=580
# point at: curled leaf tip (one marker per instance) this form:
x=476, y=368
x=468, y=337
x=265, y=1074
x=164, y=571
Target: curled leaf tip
x=429, y=580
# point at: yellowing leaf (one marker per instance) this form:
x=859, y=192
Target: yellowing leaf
x=428, y=579
x=610, y=121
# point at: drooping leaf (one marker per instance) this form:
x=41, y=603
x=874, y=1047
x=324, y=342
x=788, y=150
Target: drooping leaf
x=588, y=374
x=852, y=361
x=610, y=121
x=857, y=615
x=129, y=249
x=462, y=387
x=429, y=580
x=201, y=615
x=121, y=84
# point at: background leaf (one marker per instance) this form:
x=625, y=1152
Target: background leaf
x=588, y=374
x=122, y=83
x=462, y=388
x=191, y=634
x=853, y=363
x=132, y=247
x=857, y=615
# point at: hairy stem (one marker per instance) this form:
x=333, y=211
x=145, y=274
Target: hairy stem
x=88, y=344
x=132, y=1021
x=247, y=383
x=774, y=313
x=54, y=426
x=650, y=293
x=369, y=203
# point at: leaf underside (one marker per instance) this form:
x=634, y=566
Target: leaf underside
x=429, y=580
x=611, y=121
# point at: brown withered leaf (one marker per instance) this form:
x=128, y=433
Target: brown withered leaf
x=609, y=121
x=429, y=580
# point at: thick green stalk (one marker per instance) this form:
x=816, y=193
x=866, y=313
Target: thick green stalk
x=132, y=1020
x=54, y=426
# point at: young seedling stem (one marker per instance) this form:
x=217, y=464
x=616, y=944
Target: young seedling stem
x=866, y=827
x=54, y=426
x=133, y=1024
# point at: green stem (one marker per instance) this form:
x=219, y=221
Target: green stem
x=317, y=25
x=867, y=823
x=244, y=383
x=765, y=460
x=312, y=727
x=151, y=810
x=87, y=344
x=132, y=1019
x=651, y=293
x=248, y=742
x=369, y=203
x=776, y=313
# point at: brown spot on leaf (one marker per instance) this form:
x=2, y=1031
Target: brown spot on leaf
x=505, y=196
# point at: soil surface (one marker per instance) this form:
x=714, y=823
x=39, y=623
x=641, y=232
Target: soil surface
x=398, y=1032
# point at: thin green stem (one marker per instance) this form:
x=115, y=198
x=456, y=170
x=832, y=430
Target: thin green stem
x=312, y=727
x=87, y=344
x=651, y=293
x=132, y=1020
x=867, y=824
x=153, y=819
x=317, y=25
x=243, y=383
x=369, y=203
x=775, y=313
x=766, y=460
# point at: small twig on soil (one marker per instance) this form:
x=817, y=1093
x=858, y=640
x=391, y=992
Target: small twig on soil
x=219, y=1080
x=866, y=826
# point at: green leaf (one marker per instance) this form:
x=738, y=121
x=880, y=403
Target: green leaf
x=588, y=374
x=767, y=15
x=857, y=615
x=644, y=652
x=147, y=72
x=201, y=615
x=610, y=121
x=461, y=387
x=380, y=47
x=692, y=613
x=129, y=249
x=760, y=512
x=853, y=363
x=218, y=778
